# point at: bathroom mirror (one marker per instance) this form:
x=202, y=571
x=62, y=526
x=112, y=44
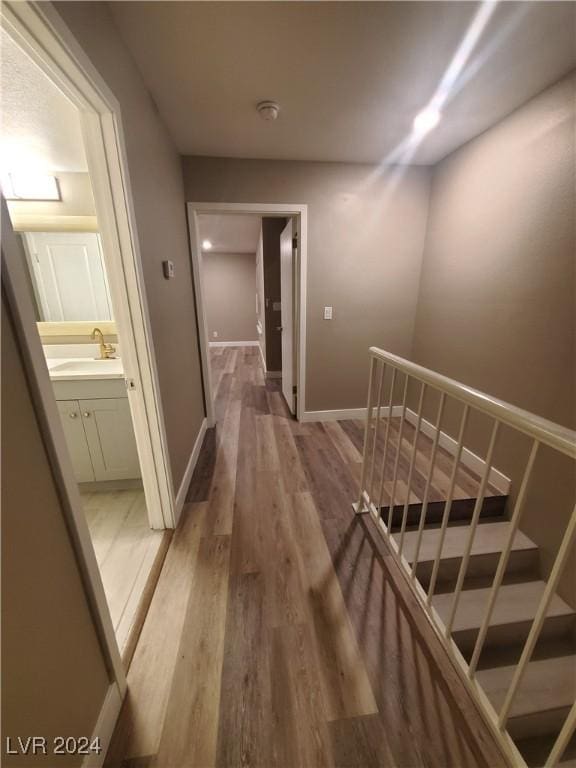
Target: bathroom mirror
x=68, y=277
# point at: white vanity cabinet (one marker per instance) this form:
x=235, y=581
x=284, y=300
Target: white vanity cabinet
x=98, y=429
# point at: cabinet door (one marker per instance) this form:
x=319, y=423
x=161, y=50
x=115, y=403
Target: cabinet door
x=76, y=440
x=69, y=275
x=108, y=426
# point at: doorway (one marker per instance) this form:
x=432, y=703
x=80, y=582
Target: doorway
x=279, y=303
x=71, y=272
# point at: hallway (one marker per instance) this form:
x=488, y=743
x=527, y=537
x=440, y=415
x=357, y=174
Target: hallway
x=280, y=633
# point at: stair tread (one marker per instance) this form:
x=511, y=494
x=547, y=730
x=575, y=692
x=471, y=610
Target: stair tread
x=515, y=603
x=548, y=684
x=490, y=538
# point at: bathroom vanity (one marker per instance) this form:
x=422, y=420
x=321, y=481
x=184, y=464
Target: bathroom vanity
x=93, y=404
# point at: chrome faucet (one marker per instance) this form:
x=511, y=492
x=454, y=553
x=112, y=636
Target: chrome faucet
x=106, y=350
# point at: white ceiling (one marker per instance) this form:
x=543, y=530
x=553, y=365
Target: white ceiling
x=230, y=233
x=349, y=76
x=39, y=127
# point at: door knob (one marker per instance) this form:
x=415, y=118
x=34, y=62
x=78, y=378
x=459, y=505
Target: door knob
x=73, y=415
x=86, y=414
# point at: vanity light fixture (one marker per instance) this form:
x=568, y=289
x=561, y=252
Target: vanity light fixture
x=206, y=245
x=30, y=186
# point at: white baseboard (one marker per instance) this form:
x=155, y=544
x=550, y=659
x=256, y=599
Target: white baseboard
x=104, y=727
x=185, y=484
x=347, y=413
x=234, y=344
x=471, y=460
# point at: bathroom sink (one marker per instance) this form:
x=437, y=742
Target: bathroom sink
x=85, y=368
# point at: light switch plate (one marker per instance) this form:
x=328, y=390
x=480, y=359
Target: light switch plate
x=168, y=269
x=327, y=313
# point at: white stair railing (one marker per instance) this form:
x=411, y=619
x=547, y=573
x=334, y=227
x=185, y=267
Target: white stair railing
x=540, y=431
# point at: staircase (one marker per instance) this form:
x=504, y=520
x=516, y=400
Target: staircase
x=459, y=543
x=548, y=689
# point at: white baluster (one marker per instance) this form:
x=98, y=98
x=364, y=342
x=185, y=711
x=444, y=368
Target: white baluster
x=504, y=557
x=538, y=622
x=473, y=525
x=422, y=521
x=448, y=504
x=411, y=469
x=376, y=429
x=386, y=443
x=397, y=462
x=360, y=507
x=563, y=738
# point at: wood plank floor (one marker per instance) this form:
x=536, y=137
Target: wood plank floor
x=125, y=548
x=281, y=632
x=381, y=481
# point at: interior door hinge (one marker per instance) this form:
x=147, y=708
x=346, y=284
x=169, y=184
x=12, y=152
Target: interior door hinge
x=294, y=242
x=294, y=389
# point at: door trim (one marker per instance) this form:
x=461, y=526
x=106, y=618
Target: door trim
x=287, y=316
x=297, y=210
x=41, y=33
x=104, y=727
x=15, y=284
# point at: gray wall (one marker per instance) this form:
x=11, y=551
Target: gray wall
x=496, y=305
x=229, y=282
x=54, y=677
x=366, y=236
x=156, y=181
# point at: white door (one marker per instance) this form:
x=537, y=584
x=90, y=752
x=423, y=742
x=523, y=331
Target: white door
x=76, y=441
x=111, y=441
x=287, y=313
x=70, y=277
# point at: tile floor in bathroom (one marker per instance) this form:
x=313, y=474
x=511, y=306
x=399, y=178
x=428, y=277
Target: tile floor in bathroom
x=125, y=549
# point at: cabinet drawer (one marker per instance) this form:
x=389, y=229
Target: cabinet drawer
x=89, y=389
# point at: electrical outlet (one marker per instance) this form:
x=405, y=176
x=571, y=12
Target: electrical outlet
x=215, y=334
x=327, y=313
x=168, y=269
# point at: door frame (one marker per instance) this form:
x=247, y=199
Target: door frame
x=15, y=284
x=287, y=276
x=300, y=212
x=41, y=33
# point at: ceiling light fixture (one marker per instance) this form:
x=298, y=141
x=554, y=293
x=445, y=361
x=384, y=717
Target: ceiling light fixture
x=426, y=120
x=206, y=245
x=268, y=110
